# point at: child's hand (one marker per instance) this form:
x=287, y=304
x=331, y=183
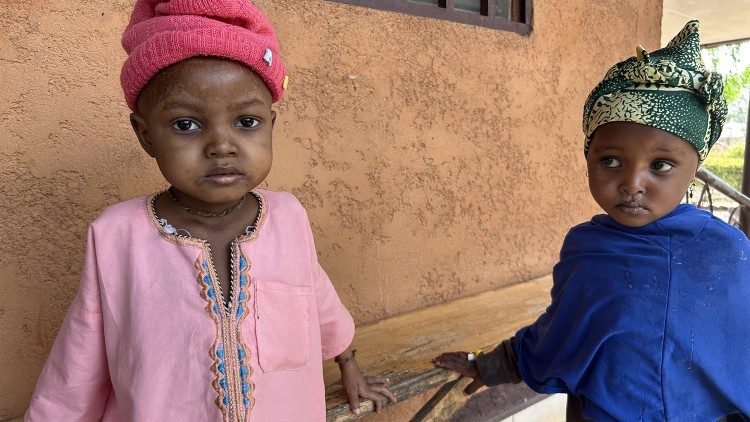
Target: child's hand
x=459, y=362
x=357, y=385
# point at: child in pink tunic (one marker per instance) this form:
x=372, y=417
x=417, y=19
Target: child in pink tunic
x=205, y=302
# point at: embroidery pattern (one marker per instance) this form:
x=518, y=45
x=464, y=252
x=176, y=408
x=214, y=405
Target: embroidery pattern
x=229, y=353
x=247, y=387
x=208, y=292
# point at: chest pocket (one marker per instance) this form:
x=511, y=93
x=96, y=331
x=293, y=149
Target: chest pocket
x=282, y=326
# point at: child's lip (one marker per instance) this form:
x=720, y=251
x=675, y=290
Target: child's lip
x=224, y=176
x=632, y=208
x=223, y=179
x=225, y=171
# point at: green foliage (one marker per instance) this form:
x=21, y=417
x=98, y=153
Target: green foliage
x=734, y=83
x=727, y=164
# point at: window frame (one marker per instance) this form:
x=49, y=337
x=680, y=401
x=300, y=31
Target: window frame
x=521, y=9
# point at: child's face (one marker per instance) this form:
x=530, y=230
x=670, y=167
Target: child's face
x=638, y=173
x=208, y=123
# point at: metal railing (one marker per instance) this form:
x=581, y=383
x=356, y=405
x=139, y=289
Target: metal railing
x=739, y=215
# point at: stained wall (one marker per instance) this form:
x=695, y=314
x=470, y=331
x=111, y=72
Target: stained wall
x=437, y=160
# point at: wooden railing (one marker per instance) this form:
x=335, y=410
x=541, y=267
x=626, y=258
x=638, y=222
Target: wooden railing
x=715, y=182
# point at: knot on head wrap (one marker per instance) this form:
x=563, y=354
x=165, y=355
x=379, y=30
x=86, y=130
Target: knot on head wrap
x=669, y=89
x=164, y=32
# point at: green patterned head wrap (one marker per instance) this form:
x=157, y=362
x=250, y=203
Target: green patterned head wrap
x=669, y=89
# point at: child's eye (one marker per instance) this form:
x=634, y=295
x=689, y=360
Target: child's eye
x=186, y=125
x=610, y=162
x=248, y=122
x=661, y=166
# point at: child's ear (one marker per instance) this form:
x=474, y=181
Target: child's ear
x=273, y=117
x=141, y=131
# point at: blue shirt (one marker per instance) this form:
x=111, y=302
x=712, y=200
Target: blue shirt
x=649, y=323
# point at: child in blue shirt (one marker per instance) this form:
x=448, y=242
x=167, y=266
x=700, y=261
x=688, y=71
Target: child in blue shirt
x=650, y=311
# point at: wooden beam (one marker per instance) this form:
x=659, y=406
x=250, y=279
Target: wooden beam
x=448, y=399
x=727, y=42
x=402, y=347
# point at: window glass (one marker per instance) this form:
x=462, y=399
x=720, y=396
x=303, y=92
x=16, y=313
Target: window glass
x=502, y=9
x=469, y=5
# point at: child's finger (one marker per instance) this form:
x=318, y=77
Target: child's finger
x=377, y=380
x=455, y=362
x=455, y=357
x=440, y=360
x=353, y=397
x=450, y=356
x=447, y=364
x=473, y=386
x=384, y=391
x=375, y=397
x=378, y=404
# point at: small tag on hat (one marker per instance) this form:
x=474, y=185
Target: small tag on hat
x=268, y=57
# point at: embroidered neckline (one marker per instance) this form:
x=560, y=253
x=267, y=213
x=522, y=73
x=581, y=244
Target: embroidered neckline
x=170, y=229
x=174, y=236
x=181, y=239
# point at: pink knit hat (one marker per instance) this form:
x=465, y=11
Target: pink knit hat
x=164, y=32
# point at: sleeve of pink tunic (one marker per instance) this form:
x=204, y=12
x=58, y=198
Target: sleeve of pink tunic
x=74, y=384
x=336, y=324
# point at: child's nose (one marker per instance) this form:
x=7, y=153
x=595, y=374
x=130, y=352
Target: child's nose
x=220, y=144
x=633, y=183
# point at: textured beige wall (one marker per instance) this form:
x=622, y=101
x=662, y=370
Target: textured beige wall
x=437, y=160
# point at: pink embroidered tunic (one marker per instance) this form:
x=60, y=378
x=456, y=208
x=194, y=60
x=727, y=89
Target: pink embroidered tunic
x=149, y=338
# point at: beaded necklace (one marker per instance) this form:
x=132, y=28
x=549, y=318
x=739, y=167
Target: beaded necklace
x=170, y=229
x=210, y=214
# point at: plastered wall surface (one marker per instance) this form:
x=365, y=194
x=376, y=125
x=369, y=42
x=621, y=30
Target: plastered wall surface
x=436, y=160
